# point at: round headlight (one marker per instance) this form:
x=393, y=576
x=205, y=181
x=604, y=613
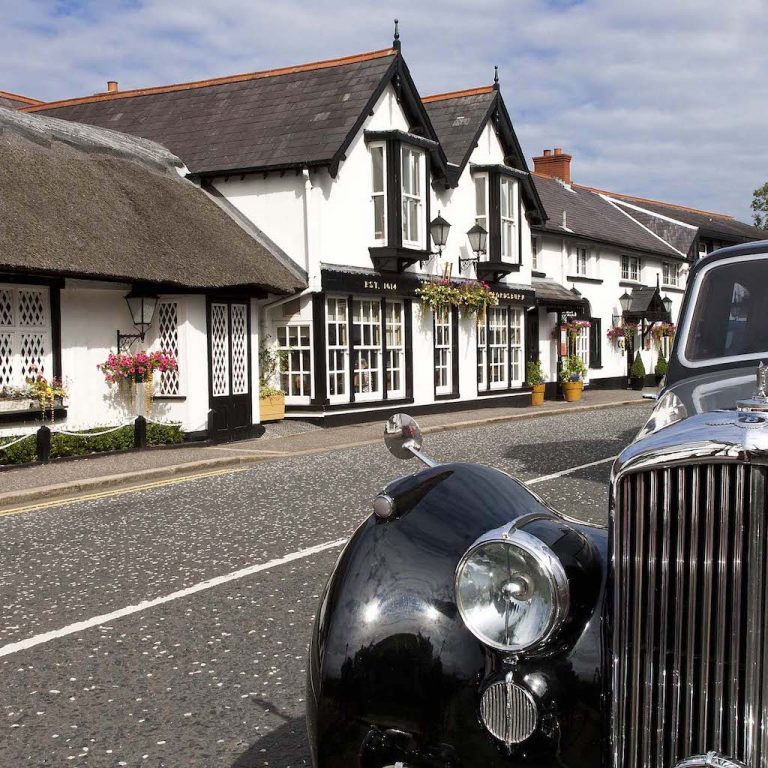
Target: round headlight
x=511, y=590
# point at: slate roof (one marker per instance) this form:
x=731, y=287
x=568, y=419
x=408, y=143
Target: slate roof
x=552, y=293
x=678, y=236
x=590, y=216
x=291, y=117
x=14, y=101
x=716, y=224
x=457, y=119
x=87, y=202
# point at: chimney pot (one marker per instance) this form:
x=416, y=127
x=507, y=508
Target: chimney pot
x=111, y=86
x=556, y=166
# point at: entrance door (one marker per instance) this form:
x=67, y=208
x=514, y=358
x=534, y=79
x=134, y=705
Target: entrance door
x=229, y=355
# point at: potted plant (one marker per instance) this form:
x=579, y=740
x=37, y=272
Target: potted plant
x=661, y=368
x=637, y=373
x=271, y=399
x=572, y=378
x=535, y=377
x=17, y=398
x=48, y=393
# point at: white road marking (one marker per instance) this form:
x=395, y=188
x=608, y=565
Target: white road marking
x=106, y=618
x=568, y=471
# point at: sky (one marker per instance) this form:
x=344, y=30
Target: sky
x=666, y=99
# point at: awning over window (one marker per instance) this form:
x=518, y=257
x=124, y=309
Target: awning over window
x=555, y=297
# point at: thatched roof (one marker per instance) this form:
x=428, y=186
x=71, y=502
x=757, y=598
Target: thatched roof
x=89, y=202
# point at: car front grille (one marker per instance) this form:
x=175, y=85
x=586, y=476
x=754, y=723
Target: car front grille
x=688, y=620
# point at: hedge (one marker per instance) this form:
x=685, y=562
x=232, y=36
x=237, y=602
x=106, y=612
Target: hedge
x=71, y=445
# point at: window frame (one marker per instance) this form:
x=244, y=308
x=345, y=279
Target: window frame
x=670, y=274
x=450, y=388
x=514, y=355
x=299, y=398
x=358, y=350
x=390, y=348
x=343, y=349
x=482, y=218
x=419, y=176
x=581, y=258
x=50, y=338
x=508, y=224
x=382, y=147
x=634, y=265
x=181, y=354
x=535, y=252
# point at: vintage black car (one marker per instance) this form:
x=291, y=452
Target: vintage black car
x=468, y=624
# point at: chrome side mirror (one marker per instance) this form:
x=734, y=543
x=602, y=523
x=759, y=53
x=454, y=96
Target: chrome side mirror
x=402, y=437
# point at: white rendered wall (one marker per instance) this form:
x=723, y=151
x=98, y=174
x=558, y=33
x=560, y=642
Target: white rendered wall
x=557, y=261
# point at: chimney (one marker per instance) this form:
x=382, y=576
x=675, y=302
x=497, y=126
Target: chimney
x=111, y=86
x=556, y=166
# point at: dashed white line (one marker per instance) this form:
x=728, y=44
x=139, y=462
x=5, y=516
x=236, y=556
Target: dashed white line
x=568, y=471
x=106, y=618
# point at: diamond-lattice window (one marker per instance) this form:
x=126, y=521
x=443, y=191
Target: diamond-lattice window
x=25, y=334
x=168, y=342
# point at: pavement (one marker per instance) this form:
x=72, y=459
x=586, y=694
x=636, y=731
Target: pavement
x=62, y=479
x=167, y=626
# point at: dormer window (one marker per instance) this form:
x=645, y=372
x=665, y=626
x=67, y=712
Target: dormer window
x=497, y=211
x=399, y=193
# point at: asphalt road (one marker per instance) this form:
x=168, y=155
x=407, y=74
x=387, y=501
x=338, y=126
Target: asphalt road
x=214, y=678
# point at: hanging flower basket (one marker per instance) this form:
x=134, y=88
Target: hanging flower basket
x=661, y=331
x=471, y=297
x=573, y=327
x=124, y=370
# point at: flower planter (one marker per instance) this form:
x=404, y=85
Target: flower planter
x=637, y=382
x=17, y=405
x=537, y=394
x=272, y=408
x=572, y=390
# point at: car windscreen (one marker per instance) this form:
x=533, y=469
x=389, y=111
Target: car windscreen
x=730, y=317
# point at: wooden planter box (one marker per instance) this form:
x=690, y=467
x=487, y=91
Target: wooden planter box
x=18, y=405
x=272, y=408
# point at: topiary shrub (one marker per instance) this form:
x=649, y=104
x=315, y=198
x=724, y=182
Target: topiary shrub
x=661, y=365
x=638, y=367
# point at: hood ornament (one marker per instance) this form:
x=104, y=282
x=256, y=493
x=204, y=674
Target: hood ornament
x=758, y=401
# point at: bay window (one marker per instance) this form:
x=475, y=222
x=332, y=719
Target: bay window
x=507, y=223
x=412, y=195
x=379, y=191
x=481, y=200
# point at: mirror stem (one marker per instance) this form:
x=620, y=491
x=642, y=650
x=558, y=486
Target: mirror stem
x=422, y=457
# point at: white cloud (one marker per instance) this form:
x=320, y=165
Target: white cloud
x=662, y=99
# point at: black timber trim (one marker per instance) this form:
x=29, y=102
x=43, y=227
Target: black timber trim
x=493, y=271
x=455, y=350
x=536, y=273
x=408, y=340
x=54, y=304
x=386, y=259
x=27, y=415
x=672, y=288
x=407, y=95
x=402, y=137
x=383, y=332
x=523, y=389
x=584, y=279
x=320, y=351
x=502, y=170
x=29, y=279
x=394, y=195
x=494, y=217
x=351, y=350
x=631, y=284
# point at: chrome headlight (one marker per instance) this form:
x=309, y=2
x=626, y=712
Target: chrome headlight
x=511, y=590
x=669, y=409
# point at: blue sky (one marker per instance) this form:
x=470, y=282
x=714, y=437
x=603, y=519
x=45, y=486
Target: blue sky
x=661, y=98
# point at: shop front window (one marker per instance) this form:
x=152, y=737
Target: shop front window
x=366, y=338
x=516, y=346
x=482, y=358
x=338, y=347
x=498, y=347
x=295, y=360
x=443, y=351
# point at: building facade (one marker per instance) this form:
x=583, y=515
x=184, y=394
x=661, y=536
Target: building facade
x=351, y=174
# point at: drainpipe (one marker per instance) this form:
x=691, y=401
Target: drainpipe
x=307, y=210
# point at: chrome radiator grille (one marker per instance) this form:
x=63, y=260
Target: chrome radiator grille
x=689, y=634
